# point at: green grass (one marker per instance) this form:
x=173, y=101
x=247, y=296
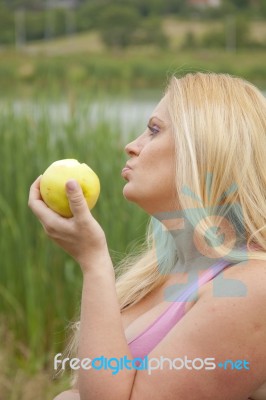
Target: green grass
x=40, y=286
x=134, y=68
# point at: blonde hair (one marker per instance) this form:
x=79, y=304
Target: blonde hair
x=219, y=126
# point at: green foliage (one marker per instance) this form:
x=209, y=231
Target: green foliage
x=242, y=29
x=90, y=14
x=35, y=23
x=118, y=25
x=25, y=4
x=236, y=33
x=214, y=39
x=122, y=25
x=263, y=8
x=87, y=17
x=175, y=7
x=7, y=34
x=149, y=7
x=44, y=25
x=145, y=67
x=241, y=3
x=150, y=32
x=190, y=41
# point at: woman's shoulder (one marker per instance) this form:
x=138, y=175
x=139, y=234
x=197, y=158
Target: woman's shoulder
x=244, y=279
x=72, y=394
x=251, y=272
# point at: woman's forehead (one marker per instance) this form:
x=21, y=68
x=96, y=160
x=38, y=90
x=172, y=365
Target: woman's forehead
x=161, y=111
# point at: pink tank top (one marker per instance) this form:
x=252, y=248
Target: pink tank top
x=147, y=340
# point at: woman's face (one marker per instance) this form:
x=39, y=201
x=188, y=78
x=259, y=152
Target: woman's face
x=151, y=177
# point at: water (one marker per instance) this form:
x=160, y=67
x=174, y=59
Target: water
x=128, y=115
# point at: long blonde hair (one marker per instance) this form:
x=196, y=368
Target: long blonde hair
x=219, y=125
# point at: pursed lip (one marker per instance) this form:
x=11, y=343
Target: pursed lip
x=126, y=168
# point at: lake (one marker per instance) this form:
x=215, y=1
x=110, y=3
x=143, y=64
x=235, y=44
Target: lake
x=129, y=114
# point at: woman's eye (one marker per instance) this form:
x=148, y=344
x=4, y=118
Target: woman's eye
x=154, y=129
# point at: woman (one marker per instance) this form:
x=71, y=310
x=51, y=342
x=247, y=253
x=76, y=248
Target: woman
x=196, y=294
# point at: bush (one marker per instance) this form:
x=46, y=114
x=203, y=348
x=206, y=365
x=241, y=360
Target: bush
x=214, y=39
x=35, y=25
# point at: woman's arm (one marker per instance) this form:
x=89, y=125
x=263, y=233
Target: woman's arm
x=101, y=328
x=102, y=333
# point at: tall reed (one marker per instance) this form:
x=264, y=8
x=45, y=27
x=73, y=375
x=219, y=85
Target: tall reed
x=40, y=286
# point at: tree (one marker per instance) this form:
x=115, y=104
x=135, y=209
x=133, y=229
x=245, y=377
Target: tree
x=263, y=7
x=149, y=7
x=25, y=4
x=118, y=25
x=239, y=32
x=241, y=3
x=88, y=16
x=151, y=32
x=7, y=25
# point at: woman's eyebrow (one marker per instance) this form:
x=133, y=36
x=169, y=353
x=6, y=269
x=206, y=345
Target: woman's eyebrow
x=154, y=117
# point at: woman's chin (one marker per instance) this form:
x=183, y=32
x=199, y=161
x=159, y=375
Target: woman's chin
x=127, y=193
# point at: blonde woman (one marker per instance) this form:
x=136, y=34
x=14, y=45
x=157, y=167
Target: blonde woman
x=191, y=304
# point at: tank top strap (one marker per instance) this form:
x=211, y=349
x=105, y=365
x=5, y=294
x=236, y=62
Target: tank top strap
x=209, y=274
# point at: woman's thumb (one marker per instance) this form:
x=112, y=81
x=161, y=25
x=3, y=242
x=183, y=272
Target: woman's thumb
x=77, y=202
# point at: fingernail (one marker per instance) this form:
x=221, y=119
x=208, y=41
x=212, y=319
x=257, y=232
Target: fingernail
x=71, y=185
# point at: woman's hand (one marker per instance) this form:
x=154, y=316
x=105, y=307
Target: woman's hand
x=80, y=236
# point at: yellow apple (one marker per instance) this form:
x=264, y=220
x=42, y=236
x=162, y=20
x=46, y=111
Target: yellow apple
x=53, y=180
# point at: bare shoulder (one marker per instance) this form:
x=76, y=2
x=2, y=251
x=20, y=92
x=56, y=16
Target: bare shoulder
x=248, y=267
x=239, y=280
x=72, y=394
x=219, y=345
x=244, y=279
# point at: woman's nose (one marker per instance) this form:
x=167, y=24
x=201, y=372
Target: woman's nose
x=132, y=148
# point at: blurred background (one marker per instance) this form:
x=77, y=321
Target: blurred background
x=79, y=79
